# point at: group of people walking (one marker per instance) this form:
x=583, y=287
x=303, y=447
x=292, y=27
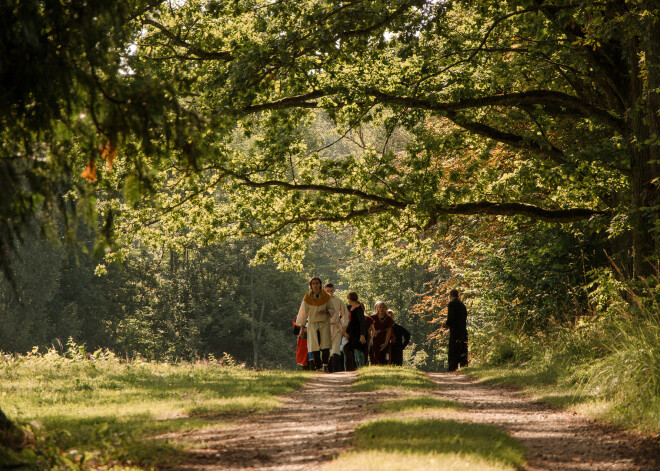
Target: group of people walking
x=333, y=336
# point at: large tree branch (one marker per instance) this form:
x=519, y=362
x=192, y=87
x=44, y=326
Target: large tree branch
x=349, y=216
x=511, y=139
x=390, y=202
x=192, y=50
x=304, y=100
x=385, y=204
x=517, y=209
x=531, y=97
x=550, y=98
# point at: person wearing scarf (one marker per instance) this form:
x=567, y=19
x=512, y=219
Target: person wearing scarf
x=338, y=317
x=314, y=310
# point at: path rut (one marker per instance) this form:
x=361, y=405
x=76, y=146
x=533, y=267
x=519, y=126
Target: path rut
x=314, y=425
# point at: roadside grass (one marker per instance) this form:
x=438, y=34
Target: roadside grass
x=609, y=370
x=373, y=378
x=404, y=444
x=419, y=404
x=87, y=413
x=552, y=385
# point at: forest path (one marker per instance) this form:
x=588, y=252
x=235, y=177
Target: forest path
x=555, y=439
x=315, y=424
x=310, y=427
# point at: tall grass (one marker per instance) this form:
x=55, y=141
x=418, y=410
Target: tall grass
x=92, y=411
x=607, y=365
x=627, y=378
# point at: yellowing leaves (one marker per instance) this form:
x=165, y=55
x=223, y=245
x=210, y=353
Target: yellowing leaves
x=89, y=173
x=109, y=154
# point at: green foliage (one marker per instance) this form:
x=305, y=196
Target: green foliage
x=157, y=304
x=121, y=406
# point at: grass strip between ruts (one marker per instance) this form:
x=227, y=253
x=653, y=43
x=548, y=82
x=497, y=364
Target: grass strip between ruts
x=430, y=444
x=374, y=378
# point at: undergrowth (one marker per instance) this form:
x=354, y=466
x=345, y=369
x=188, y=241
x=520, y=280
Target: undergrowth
x=82, y=411
x=606, y=365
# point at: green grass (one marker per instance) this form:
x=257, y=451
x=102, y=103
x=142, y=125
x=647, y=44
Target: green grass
x=374, y=378
x=621, y=385
x=106, y=411
x=606, y=364
x=430, y=444
x=419, y=404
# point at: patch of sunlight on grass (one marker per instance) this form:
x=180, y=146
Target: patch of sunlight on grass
x=544, y=385
x=419, y=404
x=516, y=376
x=397, y=461
x=109, y=410
x=430, y=444
x=234, y=405
x=374, y=378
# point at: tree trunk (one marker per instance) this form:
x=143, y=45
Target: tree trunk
x=644, y=132
x=255, y=325
x=10, y=434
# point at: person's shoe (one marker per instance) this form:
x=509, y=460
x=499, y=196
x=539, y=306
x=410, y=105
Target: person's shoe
x=325, y=369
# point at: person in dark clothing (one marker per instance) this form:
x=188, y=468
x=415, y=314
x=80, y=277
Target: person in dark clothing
x=356, y=333
x=458, y=337
x=401, y=341
x=380, y=349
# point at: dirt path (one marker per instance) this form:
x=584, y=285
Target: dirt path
x=556, y=440
x=315, y=424
x=309, y=429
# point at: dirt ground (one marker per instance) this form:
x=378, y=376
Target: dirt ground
x=315, y=424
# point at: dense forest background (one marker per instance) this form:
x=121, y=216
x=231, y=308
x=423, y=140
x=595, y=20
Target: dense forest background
x=204, y=302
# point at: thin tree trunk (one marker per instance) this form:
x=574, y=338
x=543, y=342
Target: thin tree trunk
x=255, y=325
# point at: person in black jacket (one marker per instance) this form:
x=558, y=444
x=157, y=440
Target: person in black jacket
x=401, y=341
x=356, y=333
x=457, y=325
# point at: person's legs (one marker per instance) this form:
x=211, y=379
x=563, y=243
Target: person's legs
x=463, y=361
x=325, y=356
x=325, y=342
x=313, y=340
x=349, y=353
x=397, y=355
x=453, y=355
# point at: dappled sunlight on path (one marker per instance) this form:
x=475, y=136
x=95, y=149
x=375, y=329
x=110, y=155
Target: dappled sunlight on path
x=556, y=440
x=311, y=427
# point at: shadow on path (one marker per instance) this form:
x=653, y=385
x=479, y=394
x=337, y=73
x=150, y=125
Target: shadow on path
x=311, y=427
x=556, y=440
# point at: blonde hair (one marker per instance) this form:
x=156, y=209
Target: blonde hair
x=377, y=305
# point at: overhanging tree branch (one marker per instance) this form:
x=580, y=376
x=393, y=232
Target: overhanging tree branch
x=516, y=209
x=511, y=139
x=199, y=53
x=385, y=204
x=531, y=97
